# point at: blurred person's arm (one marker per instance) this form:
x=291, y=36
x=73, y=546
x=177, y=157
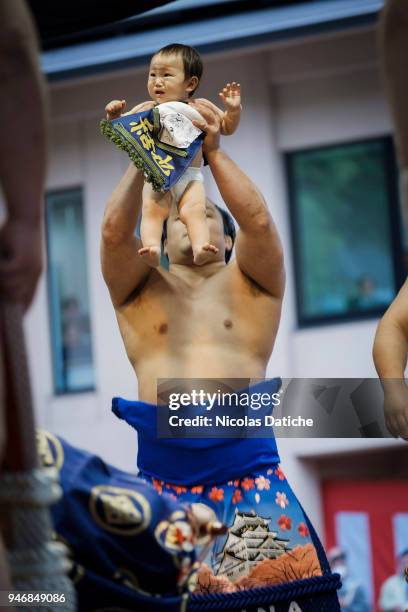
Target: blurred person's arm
x=393, y=34
x=390, y=353
x=22, y=153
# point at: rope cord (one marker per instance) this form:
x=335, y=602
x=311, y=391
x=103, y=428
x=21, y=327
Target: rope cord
x=265, y=595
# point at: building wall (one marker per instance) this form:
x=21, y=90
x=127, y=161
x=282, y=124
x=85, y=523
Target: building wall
x=294, y=95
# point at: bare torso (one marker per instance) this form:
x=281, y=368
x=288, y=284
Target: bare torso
x=220, y=326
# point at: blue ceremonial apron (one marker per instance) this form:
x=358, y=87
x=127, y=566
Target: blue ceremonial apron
x=192, y=461
x=242, y=481
x=137, y=134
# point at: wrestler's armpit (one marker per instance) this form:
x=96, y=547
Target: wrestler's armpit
x=136, y=294
x=255, y=289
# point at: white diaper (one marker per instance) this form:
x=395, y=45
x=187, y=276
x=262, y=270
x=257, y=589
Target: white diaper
x=191, y=174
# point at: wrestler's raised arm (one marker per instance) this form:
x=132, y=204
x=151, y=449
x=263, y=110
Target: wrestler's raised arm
x=390, y=353
x=122, y=268
x=258, y=247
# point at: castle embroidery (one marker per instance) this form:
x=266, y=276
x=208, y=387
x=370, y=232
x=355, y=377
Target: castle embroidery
x=249, y=541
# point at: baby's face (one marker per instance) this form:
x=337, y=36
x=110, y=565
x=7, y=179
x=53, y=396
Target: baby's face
x=166, y=82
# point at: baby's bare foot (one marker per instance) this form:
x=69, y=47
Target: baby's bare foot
x=150, y=255
x=204, y=253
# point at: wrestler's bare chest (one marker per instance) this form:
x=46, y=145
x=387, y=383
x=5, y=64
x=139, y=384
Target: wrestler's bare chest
x=179, y=329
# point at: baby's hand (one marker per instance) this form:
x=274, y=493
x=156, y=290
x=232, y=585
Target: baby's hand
x=143, y=106
x=115, y=109
x=231, y=96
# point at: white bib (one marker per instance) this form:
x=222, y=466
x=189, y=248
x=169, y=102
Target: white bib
x=176, y=124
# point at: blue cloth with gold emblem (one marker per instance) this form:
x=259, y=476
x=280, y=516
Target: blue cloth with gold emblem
x=138, y=135
x=129, y=544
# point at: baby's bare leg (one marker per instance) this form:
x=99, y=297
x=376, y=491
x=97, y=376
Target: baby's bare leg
x=192, y=213
x=155, y=211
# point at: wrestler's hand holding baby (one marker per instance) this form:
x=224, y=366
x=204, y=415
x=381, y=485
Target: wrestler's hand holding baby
x=174, y=75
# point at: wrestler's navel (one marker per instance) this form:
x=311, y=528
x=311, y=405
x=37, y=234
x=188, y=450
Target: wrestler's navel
x=227, y=323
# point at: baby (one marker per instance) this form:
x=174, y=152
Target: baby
x=174, y=75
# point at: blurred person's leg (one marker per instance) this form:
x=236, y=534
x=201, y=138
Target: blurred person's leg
x=22, y=153
x=5, y=583
x=22, y=172
x=393, y=30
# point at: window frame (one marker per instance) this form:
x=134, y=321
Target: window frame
x=52, y=299
x=395, y=225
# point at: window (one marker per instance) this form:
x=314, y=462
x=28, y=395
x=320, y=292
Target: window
x=345, y=230
x=68, y=292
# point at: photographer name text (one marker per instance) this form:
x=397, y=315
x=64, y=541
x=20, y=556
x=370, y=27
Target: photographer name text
x=246, y=421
